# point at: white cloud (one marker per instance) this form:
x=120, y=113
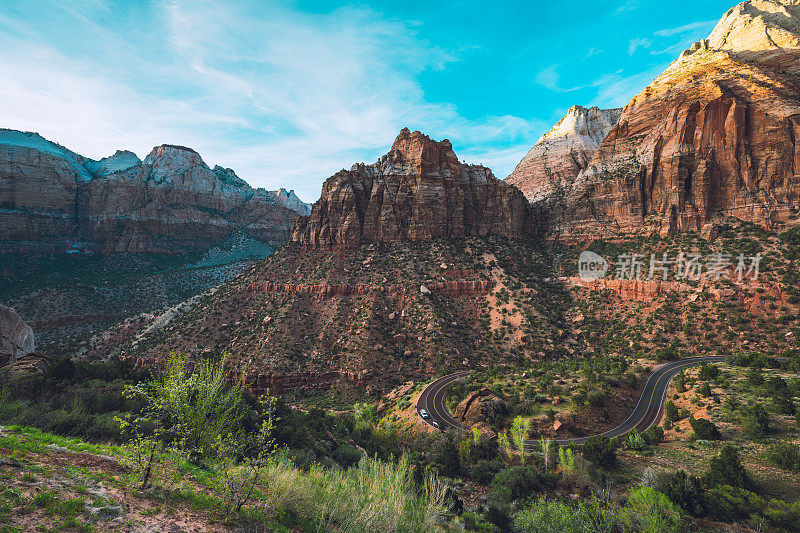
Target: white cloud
x=616, y=89
x=669, y=32
x=635, y=44
x=630, y=5
x=282, y=97
x=548, y=78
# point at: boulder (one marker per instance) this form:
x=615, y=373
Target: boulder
x=481, y=406
x=16, y=337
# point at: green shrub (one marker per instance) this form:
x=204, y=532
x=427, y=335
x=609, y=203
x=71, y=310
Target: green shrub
x=785, y=454
x=685, y=491
x=545, y=516
x=704, y=429
x=728, y=503
x=654, y=435
x=635, y=441
x=755, y=420
x=596, y=398
x=599, y=451
x=650, y=511
x=727, y=469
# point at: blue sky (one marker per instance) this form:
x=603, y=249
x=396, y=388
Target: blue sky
x=287, y=93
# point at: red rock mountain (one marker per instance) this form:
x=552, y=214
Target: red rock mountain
x=714, y=135
x=557, y=158
x=52, y=199
x=418, y=191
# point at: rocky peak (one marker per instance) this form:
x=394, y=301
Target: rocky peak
x=416, y=149
x=171, y=155
x=758, y=25
x=291, y=201
x=121, y=160
x=592, y=123
x=229, y=177
x=418, y=191
x=715, y=135
x=560, y=154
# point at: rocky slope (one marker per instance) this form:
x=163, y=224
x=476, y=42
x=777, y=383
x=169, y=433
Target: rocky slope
x=52, y=199
x=558, y=157
x=714, y=135
x=418, y=191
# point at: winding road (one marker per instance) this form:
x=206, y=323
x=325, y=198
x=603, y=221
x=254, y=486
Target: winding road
x=646, y=413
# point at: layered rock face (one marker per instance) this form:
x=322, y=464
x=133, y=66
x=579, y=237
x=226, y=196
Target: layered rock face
x=714, y=135
x=172, y=202
x=16, y=337
x=558, y=157
x=419, y=191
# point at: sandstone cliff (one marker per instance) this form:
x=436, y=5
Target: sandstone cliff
x=418, y=191
x=172, y=202
x=714, y=135
x=555, y=160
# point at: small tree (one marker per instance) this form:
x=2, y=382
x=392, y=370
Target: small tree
x=241, y=460
x=504, y=444
x=545, y=444
x=600, y=451
x=726, y=469
x=520, y=428
x=566, y=460
x=704, y=429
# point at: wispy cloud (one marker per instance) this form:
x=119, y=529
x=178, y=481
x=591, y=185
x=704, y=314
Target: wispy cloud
x=700, y=25
x=635, y=44
x=630, y=5
x=285, y=98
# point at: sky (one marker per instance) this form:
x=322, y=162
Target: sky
x=289, y=92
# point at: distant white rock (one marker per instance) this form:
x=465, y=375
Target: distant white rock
x=291, y=201
x=560, y=154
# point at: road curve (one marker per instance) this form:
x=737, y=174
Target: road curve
x=645, y=414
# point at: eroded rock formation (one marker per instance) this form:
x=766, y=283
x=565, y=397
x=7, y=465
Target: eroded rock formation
x=558, y=157
x=481, y=406
x=714, y=135
x=52, y=198
x=418, y=191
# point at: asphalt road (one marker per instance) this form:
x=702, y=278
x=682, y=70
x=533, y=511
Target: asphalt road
x=646, y=413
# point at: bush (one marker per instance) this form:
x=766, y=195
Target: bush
x=685, y=491
x=727, y=469
x=671, y=412
x=484, y=471
x=547, y=516
x=728, y=503
x=596, y=398
x=649, y=511
x=600, y=451
x=704, y=429
x=519, y=482
x=708, y=372
x=192, y=408
x=654, y=435
x=755, y=420
x=635, y=441
x=785, y=454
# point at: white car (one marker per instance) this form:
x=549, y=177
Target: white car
x=423, y=413
x=435, y=424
